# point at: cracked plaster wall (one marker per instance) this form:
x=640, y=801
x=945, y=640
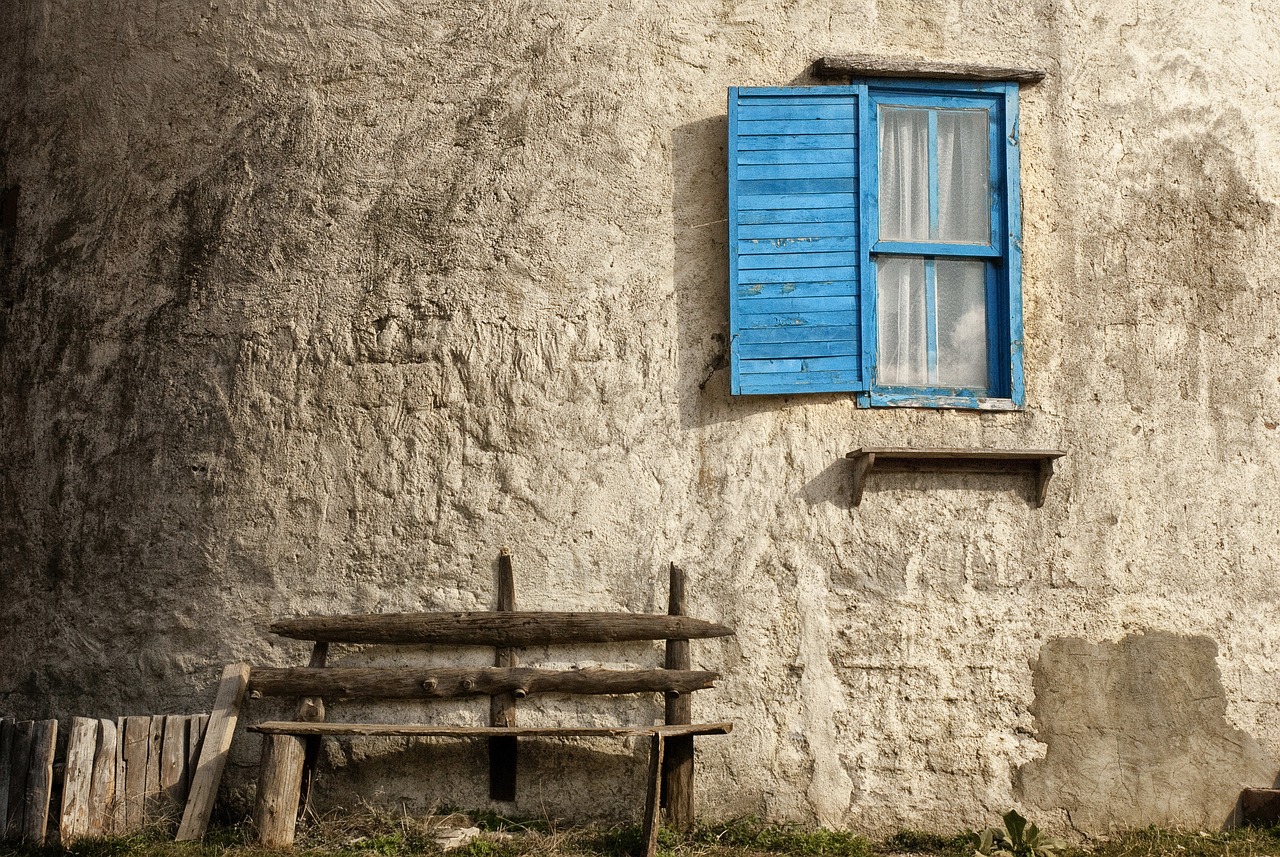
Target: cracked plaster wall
x=312, y=307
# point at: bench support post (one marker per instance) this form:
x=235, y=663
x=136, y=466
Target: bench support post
x=677, y=771
x=279, y=787
x=504, y=752
x=653, y=789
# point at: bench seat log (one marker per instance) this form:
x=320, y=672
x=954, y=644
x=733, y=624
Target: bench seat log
x=442, y=683
x=423, y=730
x=516, y=628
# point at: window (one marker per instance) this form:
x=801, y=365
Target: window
x=874, y=239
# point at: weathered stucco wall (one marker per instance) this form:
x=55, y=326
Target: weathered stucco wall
x=311, y=309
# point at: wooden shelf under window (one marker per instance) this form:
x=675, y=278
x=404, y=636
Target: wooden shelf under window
x=897, y=459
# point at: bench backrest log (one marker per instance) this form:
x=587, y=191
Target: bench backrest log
x=506, y=682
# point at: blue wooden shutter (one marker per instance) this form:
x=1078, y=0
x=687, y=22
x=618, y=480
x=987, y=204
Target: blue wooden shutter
x=794, y=299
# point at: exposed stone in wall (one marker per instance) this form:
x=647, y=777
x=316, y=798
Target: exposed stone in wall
x=312, y=308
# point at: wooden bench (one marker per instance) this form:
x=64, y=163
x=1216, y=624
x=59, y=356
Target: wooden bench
x=671, y=744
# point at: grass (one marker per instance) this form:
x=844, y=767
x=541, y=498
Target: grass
x=374, y=835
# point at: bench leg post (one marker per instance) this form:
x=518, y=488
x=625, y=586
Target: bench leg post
x=279, y=789
x=653, y=796
x=678, y=780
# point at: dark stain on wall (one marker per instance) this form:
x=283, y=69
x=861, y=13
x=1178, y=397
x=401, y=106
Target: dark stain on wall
x=1136, y=733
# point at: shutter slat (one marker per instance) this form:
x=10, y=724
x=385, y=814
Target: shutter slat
x=801, y=306
x=797, y=244
x=811, y=333
x=776, y=350
x=847, y=215
x=748, y=293
x=752, y=321
x=835, y=170
x=796, y=364
x=799, y=142
x=798, y=275
x=789, y=261
x=748, y=157
x=792, y=187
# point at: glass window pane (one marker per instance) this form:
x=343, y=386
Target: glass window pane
x=964, y=177
x=904, y=174
x=962, y=323
x=902, y=348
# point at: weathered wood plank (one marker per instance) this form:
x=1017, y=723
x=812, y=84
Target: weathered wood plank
x=102, y=789
x=6, y=770
x=677, y=771
x=173, y=763
x=874, y=66
x=134, y=748
x=153, y=807
x=196, y=726
x=213, y=754
x=119, y=806
x=503, y=757
x=77, y=785
x=445, y=682
x=497, y=628
x=279, y=782
x=19, y=767
x=35, y=822
x=426, y=730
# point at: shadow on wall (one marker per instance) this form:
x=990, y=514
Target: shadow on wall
x=1137, y=734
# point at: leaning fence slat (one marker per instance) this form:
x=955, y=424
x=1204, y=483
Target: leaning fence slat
x=82, y=744
x=213, y=755
x=6, y=751
x=44, y=737
x=102, y=789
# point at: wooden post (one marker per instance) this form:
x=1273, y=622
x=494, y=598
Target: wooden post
x=102, y=790
x=311, y=710
x=279, y=783
x=653, y=789
x=677, y=772
x=503, y=758
x=44, y=738
x=82, y=744
x=213, y=753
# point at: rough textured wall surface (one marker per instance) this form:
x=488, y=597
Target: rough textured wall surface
x=310, y=307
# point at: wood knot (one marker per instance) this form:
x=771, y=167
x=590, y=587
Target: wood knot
x=255, y=694
x=468, y=684
x=430, y=684
x=519, y=693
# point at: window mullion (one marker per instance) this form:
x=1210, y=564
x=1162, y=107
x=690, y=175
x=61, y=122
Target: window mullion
x=931, y=318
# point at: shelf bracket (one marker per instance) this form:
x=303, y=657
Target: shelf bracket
x=895, y=459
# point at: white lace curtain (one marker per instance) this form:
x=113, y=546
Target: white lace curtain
x=953, y=207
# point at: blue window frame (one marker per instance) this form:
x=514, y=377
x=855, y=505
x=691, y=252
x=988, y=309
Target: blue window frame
x=875, y=242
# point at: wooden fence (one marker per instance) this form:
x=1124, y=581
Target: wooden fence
x=120, y=775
